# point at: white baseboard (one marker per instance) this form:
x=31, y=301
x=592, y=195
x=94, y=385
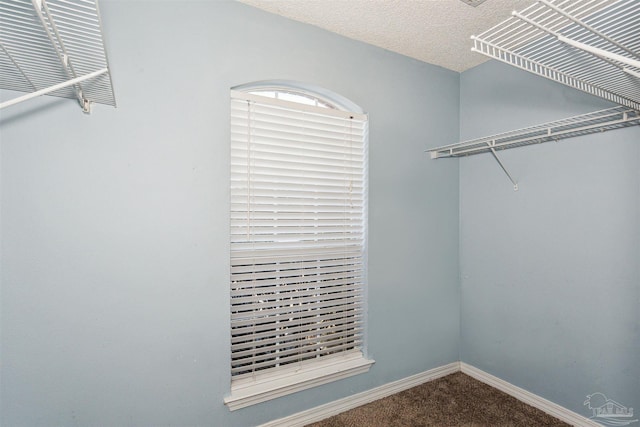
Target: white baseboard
x=333, y=408
x=529, y=398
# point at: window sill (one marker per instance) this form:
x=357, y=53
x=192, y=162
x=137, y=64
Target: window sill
x=250, y=391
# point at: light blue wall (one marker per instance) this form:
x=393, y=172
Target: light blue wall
x=549, y=274
x=115, y=232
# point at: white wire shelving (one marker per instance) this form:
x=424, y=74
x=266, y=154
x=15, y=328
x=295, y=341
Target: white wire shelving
x=590, y=45
x=54, y=47
x=585, y=124
x=596, y=122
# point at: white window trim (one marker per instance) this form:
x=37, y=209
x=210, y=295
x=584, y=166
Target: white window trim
x=262, y=387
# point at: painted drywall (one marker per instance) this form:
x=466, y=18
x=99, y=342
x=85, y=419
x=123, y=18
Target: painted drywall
x=550, y=279
x=115, y=233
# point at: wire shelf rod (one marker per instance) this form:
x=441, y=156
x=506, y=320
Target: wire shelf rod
x=606, y=55
x=561, y=38
x=51, y=89
x=587, y=26
x=599, y=121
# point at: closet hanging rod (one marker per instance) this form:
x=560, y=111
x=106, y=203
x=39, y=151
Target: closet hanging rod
x=585, y=124
x=51, y=89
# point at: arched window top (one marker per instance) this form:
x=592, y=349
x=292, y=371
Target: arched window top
x=302, y=93
x=293, y=96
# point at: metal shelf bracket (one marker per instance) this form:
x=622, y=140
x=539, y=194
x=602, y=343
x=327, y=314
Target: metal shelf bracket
x=495, y=156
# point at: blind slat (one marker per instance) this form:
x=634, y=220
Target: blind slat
x=289, y=173
x=293, y=224
x=299, y=269
x=267, y=331
x=286, y=261
x=252, y=256
x=258, y=180
x=321, y=154
x=286, y=341
x=297, y=295
x=299, y=354
x=249, y=324
x=249, y=293
x=301, y=305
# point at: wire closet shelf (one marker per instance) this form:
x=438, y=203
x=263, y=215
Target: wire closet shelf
x=54, y=47
x=590, y=45
x=598, y=121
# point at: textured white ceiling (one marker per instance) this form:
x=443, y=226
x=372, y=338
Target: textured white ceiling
x=433, y=31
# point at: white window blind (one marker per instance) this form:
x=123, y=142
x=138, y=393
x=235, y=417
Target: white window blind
x=298, y=199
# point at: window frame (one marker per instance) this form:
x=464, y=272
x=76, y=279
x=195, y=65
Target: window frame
x=270, y=384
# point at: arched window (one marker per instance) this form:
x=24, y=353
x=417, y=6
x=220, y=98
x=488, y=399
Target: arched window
x=298, y=240
x=293, y=96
